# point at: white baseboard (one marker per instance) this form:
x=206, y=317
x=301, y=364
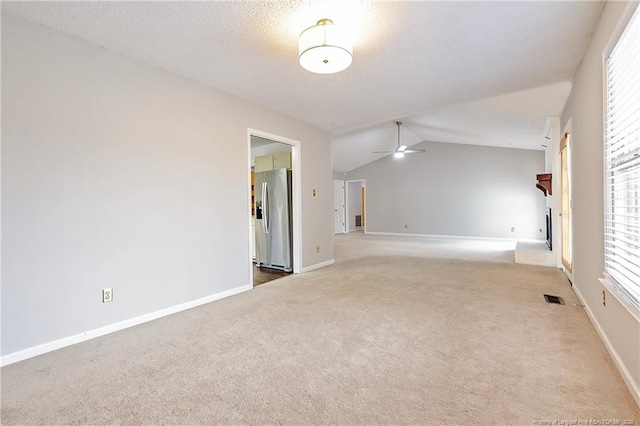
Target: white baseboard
x=459, y=237
x=318, y=265
x=92, y=334
x=634, y=388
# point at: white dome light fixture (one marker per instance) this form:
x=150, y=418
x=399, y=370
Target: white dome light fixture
x=325, y=48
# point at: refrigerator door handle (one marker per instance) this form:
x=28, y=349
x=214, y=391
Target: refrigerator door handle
x=265, y=208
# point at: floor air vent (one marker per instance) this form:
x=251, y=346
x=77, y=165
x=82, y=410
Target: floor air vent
x=554, y=299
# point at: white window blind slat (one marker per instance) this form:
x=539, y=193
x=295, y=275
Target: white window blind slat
x=622, y=99
x=627, y=260
x=625, y=167
x=631, y=229
x=625, y=75
x=625, y=125
x=630, y=239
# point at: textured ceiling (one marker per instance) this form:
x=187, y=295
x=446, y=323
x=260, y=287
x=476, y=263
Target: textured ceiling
x=464, y=72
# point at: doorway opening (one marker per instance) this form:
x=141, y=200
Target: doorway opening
x=566, y=207
x=274, y=213
x=355, y=201
x=338, y=207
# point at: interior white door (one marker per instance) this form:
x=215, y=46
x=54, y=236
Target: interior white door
x=338, y=207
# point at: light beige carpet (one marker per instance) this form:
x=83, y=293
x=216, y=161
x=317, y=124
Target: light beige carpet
x=398, y=331
x=534, y=253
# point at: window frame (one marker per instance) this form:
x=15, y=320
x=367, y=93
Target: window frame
x=632, y=305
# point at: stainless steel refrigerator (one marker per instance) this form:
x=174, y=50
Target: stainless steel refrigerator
x=273, y=219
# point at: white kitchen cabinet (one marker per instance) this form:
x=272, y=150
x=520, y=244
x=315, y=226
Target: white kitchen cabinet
x=264, y=163
x=280, y=160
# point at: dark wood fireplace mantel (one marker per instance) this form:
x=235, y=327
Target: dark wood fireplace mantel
x=544, y=183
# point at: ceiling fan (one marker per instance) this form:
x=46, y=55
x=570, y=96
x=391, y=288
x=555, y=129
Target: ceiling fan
x=401, y=150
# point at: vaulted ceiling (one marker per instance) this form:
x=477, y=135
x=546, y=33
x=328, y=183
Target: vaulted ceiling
x=476, y=72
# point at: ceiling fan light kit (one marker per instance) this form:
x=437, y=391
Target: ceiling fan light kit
x=325, y=48
x=401, y=150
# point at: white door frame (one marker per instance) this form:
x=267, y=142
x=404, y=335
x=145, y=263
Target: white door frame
x=343, y=211
x=296, y=174
x=364, y=204
x=568, y=272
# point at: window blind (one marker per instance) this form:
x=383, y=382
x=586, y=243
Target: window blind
x=622, y=164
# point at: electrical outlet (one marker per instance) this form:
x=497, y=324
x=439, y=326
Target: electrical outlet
x=317, y=249
x=314, y=192
x=604, y=299
x=406, y=226
x=513, y=229
x=107, y=295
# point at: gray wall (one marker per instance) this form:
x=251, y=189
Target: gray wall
x=116, y=174
x=338, y=175
x=460, y=190
x=585, y=109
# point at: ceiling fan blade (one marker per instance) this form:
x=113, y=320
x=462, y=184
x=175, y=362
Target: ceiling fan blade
x=401, y=149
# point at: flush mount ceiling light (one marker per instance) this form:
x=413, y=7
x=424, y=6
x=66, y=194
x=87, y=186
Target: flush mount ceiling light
x=325, y=48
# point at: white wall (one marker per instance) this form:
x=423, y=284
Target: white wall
x=116, y=174
x=452, y=189
x=619, y=329
x=339, y=175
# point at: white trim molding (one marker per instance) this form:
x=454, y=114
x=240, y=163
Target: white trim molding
x=111, y=328
x=318, y=265
x=454, y=237
x=634, y=388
